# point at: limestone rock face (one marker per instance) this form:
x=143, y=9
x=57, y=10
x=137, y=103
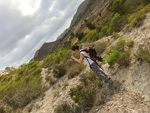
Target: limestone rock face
x=46, y=49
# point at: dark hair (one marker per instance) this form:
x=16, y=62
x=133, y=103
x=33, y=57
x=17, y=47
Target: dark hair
x=75, y=47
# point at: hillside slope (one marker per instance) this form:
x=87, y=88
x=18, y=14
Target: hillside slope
x=134, y=96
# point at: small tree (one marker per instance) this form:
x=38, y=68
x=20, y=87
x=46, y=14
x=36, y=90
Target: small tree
x=90, y=25
x=118, y=6
x=117, y=22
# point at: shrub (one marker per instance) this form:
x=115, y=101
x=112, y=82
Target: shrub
x=118, y=6
x=120, y=45
x=75, y=70
x=136, y=19
x=104, y=30
x=117, y=23
x=90, y=25
x=66, y=45
x=143, y=53
x=80, y=36
x=18, y=94
x=124, y=58
x=115, y=35
x=57, y=57
x=59, y=71
x=98, y=28
x=130, y=43
x=63, y=108
x=113, y=57
x=47, y=78
x=91, y=36
x=84, y=95
x=30, y=69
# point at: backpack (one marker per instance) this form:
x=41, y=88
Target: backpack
x=93, y=54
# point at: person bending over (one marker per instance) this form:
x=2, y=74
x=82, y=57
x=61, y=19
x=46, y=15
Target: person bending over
x=84, y=56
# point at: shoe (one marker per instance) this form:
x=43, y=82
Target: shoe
x=109, y=86
x=107, y=80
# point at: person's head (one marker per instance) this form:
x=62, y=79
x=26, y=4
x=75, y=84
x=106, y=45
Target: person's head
x=75, y=48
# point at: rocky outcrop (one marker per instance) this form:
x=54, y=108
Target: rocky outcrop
x=46, y=49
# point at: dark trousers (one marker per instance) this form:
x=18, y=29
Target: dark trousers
x=96, y=69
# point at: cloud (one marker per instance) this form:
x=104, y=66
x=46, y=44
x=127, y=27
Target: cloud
x=26, y=25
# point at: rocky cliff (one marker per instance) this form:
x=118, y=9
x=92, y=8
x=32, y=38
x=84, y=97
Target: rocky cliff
x=46, y=49
x=87, y=10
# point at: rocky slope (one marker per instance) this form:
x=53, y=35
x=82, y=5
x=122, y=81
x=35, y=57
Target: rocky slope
x=134, y=96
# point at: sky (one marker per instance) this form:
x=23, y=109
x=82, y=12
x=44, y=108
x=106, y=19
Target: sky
x=26, y=24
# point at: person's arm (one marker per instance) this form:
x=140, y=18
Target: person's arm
x=78, y=60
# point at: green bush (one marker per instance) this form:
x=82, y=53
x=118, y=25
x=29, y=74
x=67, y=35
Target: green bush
x=90, y=25
x=91, y=36
x=84, y=94
x=66, y=45
x=104, y=30
x=118, y=53
x=30, y=69
x=130, y=43
x=18, y=94
x=57, y=57
x=59, y=71
x=113, y=57
x=117, y=23
x=120, y=45
x=80, y=36
x=137, y=18
x=124, y=58
x=63, y=108
x=143, y=53
x=118, y=6
x=98, y=28
x=21, y=86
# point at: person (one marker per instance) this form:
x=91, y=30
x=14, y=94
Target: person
x=84, y=57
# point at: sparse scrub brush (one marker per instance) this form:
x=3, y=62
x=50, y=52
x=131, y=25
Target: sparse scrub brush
x=63, y=108
x=143, y=53
x=59, y=71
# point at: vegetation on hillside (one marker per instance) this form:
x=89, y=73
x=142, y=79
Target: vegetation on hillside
x=21, y=86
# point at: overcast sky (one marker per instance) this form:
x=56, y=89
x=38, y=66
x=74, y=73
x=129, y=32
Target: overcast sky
x=26, y=24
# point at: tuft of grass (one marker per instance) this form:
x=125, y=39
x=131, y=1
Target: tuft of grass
x=130, y=43
x=143, y=53
x=136, y=20
x=63, y=108
x=115, y=35
x=124, y=58
x=75, y=70
x=59, y=71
